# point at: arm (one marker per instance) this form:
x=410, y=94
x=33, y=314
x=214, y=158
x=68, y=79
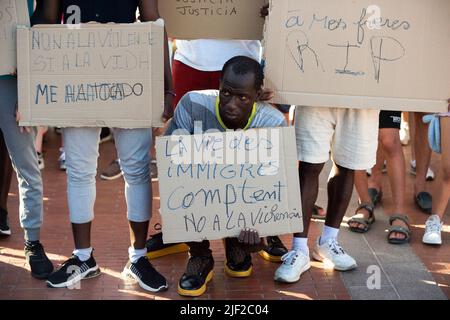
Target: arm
x=182, y=122
x=149, y=12
x=47, y=12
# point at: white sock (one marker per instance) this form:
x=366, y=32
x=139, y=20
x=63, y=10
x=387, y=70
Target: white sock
x=327, y=234
x=135, y=254
x=300, y=244
x=83, y=254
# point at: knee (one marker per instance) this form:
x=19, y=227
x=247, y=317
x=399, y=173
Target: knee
x=80, y=175
x=390, y=144
x=135, y=172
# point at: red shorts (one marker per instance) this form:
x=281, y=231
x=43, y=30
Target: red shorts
x=187, y=79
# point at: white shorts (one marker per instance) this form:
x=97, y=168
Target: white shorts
x=349, y=135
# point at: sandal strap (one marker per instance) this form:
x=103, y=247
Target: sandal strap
x=400, y=229
x=362, y=221
x=368, y=206
x=401, y=217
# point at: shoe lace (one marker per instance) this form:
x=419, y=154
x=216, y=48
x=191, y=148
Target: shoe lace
x=36, y=250
x=433, y=225
x=335, y=247
x=290, y=257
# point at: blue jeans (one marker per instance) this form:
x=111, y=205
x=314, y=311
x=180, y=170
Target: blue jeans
x=81, y=148
x=24, y=159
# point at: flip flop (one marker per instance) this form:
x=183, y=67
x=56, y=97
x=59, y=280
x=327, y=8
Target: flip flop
x=424, y=201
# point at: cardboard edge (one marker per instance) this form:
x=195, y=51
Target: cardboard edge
x=359, y=102
x=157, y=85
x=293, y=183
x=23, y=75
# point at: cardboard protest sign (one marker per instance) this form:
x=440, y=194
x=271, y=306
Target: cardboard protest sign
x=213, y=185
x=343, y=53
x=223, y=19
x=92, y=75
x=12, y=14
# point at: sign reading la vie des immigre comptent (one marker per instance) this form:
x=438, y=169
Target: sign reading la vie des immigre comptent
x=388, y=55
x=218, y=19
x=12, y=14
x=213, y=185
x=91, y=75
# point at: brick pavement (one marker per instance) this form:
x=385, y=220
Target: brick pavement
x=110, y=240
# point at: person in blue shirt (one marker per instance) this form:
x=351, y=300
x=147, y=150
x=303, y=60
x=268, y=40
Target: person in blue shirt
x=233, y=107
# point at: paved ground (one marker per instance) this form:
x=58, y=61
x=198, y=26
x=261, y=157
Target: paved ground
x=413, y=271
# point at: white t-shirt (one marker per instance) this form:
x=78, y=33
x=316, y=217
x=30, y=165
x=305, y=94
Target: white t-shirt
x=211, y=55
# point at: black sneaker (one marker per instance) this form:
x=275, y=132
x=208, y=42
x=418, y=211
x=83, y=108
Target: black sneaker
x=199, y=272
x=146, y=275
x=238, y=263
x=274, y=251
x=157, y=248
x=4, y=227
x=41, y=266
x=72, y=271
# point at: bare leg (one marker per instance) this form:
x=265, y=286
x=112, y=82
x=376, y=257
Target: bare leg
x=422, y=151
x=82, y=235
x=442, y=185
x=309, y=186
x=138, y=234
x=340, y=188
x=390, y=142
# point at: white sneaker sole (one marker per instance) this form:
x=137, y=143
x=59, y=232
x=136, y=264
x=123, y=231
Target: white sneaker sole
x=285, y=280
x=316, y=256
x=127, y=274
x=432, y=242
x=5, y=232
x=88, y=274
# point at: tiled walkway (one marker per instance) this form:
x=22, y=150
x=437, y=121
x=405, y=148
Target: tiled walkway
x=110, y=240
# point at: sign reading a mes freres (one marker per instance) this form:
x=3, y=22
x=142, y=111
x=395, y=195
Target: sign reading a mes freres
x=91, y=75
x=213, y=185
x=388, y=55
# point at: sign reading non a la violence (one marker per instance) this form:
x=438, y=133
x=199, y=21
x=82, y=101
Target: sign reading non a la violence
x=218, y=19
x=213, y=185
x=92, y=75
x=12, y=13
x=388, y=55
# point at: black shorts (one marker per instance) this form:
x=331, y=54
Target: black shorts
x=390, y=120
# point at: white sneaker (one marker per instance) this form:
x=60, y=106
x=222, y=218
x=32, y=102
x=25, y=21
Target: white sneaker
x=294, y=264
x=412, y=170
x=433, y=228
x=332, y=253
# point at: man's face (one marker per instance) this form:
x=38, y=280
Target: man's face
x=237, y=96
